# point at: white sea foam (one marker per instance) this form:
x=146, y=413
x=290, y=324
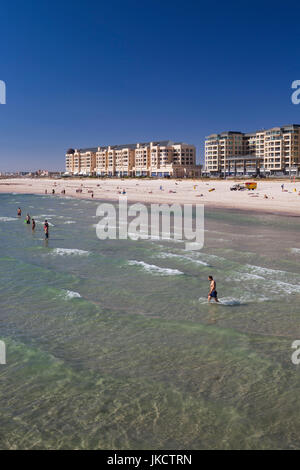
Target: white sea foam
x=231, y=301
x=68, y=294
x=69, y=222
x=42, y=223
x=152, y=268
x=269, y=281
x=7, y=219
x=239, y=277
x=182, y=257
x=286, y=288
x=295, y=250
x=69, y=252
x=269, y=273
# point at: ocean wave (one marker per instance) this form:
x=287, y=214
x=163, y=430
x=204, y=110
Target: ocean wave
x=69, y=222
x=295, y=250
x=265, y=272
x=8, y=219
x=240, y=276
x=152, y=268
x=42, y=223
x=233, y=301
x=286, y=288
x=69, y=294
x=224, y=301
x=183, y=258
x=69, y=252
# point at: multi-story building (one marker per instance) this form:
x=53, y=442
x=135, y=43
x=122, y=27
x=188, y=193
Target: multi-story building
x=142, y=160
x=273, y=151
x=101, y=161
x=220, y=148
x=160, y=159
x=81, y=162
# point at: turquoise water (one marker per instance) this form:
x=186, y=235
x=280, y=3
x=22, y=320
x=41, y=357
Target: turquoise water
x=112, y=345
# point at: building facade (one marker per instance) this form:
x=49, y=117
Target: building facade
x=273, y=151
x=156, y=159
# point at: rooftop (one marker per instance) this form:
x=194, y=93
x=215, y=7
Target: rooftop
x=161, y=143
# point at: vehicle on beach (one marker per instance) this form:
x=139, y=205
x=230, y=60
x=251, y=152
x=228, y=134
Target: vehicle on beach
x=238, y=187
x=251, y=185
x=241, y=187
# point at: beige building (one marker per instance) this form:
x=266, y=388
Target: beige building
x=81, y=162
x=273, y=151
x=156, y=159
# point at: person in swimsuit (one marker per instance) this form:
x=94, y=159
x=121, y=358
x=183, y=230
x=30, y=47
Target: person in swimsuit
x=33, y=225
x=19, y=212
x=46, y=229
x=28, y=219
x=213, y=294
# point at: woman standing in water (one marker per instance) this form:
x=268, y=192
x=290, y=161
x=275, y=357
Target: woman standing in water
x=46, y=229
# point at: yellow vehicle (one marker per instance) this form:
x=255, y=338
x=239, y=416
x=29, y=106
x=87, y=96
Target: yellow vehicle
x=251, y=185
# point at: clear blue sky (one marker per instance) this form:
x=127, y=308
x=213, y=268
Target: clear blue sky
x=88, y=73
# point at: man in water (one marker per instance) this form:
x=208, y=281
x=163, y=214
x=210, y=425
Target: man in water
x=213, y=294
x=28, y=219
x=46, y=229
x=19, y=212
x=33, y=225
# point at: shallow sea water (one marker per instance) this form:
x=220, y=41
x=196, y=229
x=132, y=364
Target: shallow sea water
x=112, y=345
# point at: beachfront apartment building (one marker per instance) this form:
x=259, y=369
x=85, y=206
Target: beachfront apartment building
x=152, y=159
x=274, y=151
x=80, y=161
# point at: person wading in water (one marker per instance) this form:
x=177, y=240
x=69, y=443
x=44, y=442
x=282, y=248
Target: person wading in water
x=213, y=294
x=46, y=229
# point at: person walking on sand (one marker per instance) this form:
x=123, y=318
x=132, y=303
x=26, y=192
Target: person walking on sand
x=19, y=212
x=213, y=294
x=46, y=229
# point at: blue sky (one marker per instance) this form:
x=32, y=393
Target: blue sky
x=88, y=73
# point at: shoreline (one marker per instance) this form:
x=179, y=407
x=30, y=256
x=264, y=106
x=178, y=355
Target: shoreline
x=268, y=198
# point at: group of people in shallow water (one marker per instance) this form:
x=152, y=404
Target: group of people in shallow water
x=213, y=287
x=29, y=220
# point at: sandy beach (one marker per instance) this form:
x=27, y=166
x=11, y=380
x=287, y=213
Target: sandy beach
x=268, y=197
